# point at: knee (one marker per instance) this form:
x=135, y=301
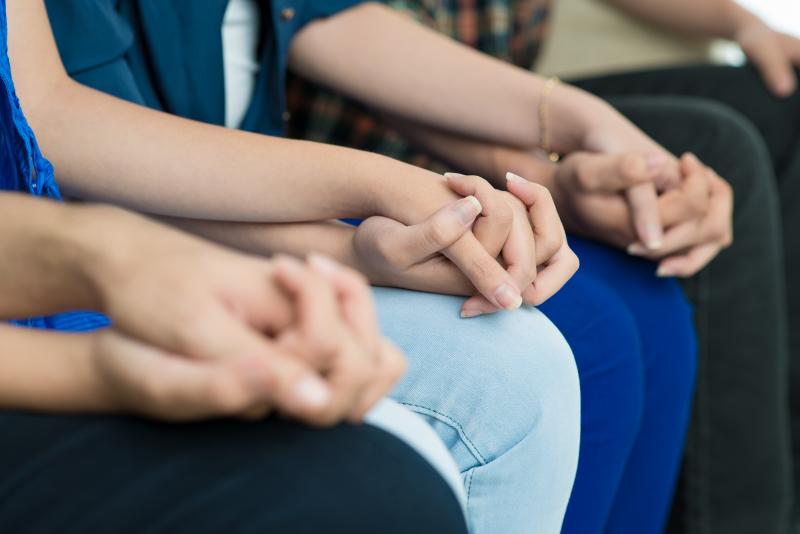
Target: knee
x=485, y=383
x=519, y=378
x=605, y=338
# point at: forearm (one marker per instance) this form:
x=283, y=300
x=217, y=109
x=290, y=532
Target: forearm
x=412, y=72
x=107, y=149
x=703, y=18
x=43, y=266
x=332, y=239
x=488, y=160
x=48, y=371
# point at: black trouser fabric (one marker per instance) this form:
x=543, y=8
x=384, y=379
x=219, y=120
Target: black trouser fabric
x=103, y=474
x=737, y=475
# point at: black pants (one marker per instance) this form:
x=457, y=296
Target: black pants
x=737, y=477
x=102, y=474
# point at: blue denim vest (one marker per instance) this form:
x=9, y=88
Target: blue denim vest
x=167, y=54
x=24, y=169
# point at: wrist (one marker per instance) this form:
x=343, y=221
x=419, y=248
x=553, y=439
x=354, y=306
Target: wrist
x=411, y=195
x=736, y=21
x=92, y=392
x=101, y=242
x=573, y=115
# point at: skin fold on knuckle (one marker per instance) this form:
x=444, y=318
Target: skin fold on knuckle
x=436, y=234
x=585, y=176
x=227, y=394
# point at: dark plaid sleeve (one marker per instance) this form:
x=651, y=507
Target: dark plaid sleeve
x=509, y=30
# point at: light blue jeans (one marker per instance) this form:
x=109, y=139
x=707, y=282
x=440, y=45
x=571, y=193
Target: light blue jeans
x=502, y=392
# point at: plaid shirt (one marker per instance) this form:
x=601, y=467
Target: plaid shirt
x=512, y=30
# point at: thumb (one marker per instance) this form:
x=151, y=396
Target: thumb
x=414, y=244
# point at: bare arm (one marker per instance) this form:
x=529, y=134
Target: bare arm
x=47, y=371
x=46, y=258
x=412, y=72
x=331, y=238
x=776, y=55
x=108, y=149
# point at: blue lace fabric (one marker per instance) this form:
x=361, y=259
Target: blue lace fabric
x=24, y=169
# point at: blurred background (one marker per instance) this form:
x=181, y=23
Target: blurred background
x=590, y=37
x=782, y=14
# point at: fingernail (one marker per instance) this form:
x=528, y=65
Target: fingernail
x=656, y=160
x=290, y=263
x=467, y=209
x=312, y=392
x=508, y=297
x=785, y=86
x=453, y=175
x=636, y=249
x=323, y=264
x=664, y=272
x=511, y=177
x=468, y=314
x=654, y=237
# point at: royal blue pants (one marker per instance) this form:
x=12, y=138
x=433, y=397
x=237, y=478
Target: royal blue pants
x=634, y=344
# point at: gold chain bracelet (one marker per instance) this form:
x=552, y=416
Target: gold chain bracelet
x=544, y=118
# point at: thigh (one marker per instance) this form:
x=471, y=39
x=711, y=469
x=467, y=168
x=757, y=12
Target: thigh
x=502, y=393
x=108, y=474
x=740, y=409
x=663, y=322
x=602, y=333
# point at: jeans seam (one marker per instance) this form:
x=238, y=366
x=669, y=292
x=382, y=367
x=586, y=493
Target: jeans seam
x=470, y=476
x=439, y=416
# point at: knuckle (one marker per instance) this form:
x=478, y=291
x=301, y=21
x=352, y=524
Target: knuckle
x=574, y=262
x=390, y=254
x=584, y=176
x=631, y=166
x=436, y=233
x=541, y=191
x=549, y=244
x=227, y=395
x=503, y=211
x=529, y=271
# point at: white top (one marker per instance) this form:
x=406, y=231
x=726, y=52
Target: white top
x=240, y=32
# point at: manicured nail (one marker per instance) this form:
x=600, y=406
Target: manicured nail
x=323, y=264
x=467, y=209
x=636, y=249
x=656, y=160
x=785, y=86
x=511, y=177
x=508, y=297
x=468, y=314
x=290, y=264
x=664, y=272
x=312, y=392
x=654, y=237
x=453, y=175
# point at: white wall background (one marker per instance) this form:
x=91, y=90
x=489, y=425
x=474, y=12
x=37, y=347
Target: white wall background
x=782, y=14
